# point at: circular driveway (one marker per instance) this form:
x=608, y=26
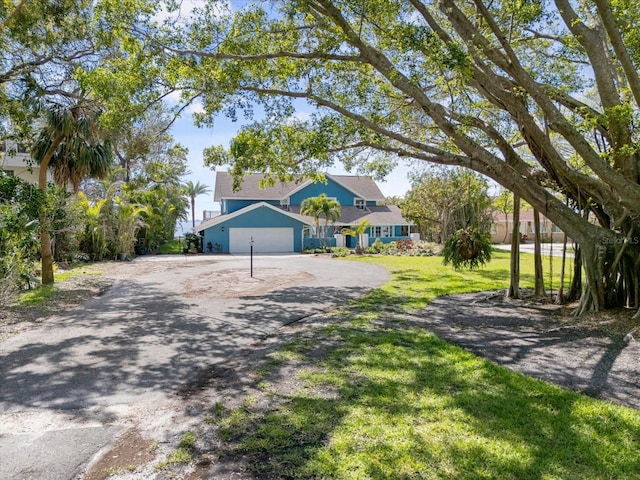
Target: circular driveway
x=66, y=383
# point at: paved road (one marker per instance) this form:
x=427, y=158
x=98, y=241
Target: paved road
x=68, y=386
x=553, y=249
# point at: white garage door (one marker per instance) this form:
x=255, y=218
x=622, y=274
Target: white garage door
x=265, y=240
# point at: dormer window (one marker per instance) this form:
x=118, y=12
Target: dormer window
x=360, y=203
x=284, y=203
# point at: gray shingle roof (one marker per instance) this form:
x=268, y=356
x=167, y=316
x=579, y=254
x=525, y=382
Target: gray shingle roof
x=250, y=189
x=379, y=215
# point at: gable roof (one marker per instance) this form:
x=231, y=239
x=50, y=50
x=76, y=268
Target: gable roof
x=362, y=186
x=223, y=218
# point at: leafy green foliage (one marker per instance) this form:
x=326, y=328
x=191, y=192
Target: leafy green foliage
x=467, y=248
x=20, y=204
x=442, y=201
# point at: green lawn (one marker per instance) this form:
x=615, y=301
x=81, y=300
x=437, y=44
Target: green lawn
x=379, y=400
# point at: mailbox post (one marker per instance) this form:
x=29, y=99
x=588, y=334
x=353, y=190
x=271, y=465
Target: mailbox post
x=251, y=255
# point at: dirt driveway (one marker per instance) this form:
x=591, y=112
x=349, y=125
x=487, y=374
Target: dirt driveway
x=120, y=360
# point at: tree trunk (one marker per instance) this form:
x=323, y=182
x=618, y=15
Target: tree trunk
x=537, y=257
x=506, y=227
x=514, y=285
x=193, y=212
x=560, y=299
x=575, y=290
x=46, y=254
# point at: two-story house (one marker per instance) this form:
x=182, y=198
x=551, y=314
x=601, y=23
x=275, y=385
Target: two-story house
x=270, y=219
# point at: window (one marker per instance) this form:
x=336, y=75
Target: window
x=8, y=173
x=360, y=203
x=555, y=228
x=383, y=231
x=404, y=230
x=494, y=228
x=284, y=203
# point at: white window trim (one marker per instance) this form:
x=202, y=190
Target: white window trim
x=359, y=203
x=378, y=231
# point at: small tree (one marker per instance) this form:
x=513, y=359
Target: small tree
x=127, y=222
x=71, y=143
x=320, y=206
x=444, y=200
x=192, y=190
x=358, y=233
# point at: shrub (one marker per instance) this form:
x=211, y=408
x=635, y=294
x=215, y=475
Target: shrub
x=404, y=245
x=339, y=252
x=376, y=247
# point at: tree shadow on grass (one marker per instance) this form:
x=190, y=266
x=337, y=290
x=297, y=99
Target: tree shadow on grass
x=412, y=406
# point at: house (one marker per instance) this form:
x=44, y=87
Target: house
x=502, y=227
x=14, y=160
x=269, y=219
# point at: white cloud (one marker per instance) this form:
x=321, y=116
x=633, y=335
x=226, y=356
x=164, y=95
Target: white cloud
x=195, y=107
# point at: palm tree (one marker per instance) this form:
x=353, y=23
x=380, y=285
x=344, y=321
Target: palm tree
x=71, y=143
x=358, y=233
x=192, y=191
x=321, y=206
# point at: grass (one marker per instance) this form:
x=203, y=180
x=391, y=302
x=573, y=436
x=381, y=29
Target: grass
x=183, y=454
x=172, y=247
x=418, y=280
x=394, y=402
x=43, y=293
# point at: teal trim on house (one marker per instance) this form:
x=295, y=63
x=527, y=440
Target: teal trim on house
x=331, y=190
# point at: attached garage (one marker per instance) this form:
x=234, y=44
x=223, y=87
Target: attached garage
x=265, y=240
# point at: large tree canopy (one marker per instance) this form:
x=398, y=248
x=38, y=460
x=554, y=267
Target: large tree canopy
x=542, y=97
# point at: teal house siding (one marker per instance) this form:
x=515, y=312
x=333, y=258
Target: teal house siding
x=331, y=189
x=235, y=205
x=261, y=217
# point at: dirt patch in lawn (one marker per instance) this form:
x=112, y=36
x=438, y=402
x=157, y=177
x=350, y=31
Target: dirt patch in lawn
x=233, y=283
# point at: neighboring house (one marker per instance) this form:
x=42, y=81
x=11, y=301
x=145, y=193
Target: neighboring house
x=271, y=218
x=502, y=227
x=14, y=161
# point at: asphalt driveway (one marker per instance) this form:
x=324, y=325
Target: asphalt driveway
x=73, y=383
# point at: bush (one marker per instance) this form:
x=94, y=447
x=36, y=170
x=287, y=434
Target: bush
x=340, y=252
x=404, y=245
x=376, y=247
